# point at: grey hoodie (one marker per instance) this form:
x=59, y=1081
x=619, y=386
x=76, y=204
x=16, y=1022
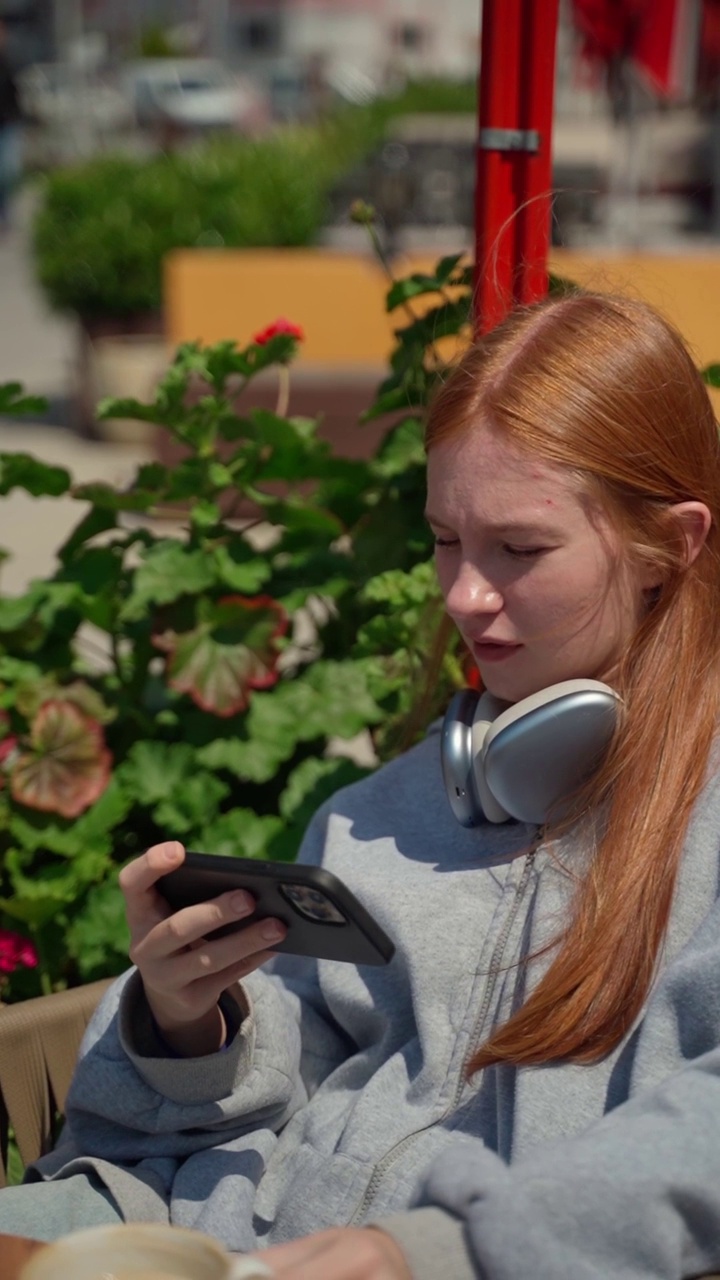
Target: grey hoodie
x=343, y=1096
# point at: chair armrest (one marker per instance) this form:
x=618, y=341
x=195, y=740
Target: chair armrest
x=39, y=1041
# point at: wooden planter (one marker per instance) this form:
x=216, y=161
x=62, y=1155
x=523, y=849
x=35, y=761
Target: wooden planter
x=103, y=343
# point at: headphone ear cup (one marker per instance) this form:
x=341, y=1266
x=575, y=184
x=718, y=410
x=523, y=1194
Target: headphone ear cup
x=462, y=748
x=487, y=710
x=538, y=752
x=456, y=758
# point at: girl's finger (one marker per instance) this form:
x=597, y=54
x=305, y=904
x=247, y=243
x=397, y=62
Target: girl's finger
x=143, y=904
x=210, y=986
x=339, y=1254
x=186, y=937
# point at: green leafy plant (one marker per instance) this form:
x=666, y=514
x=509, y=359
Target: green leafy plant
x=155, y=42
x=186, y=672
x=104, y=226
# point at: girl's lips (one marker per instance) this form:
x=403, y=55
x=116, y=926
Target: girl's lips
x=488, y=652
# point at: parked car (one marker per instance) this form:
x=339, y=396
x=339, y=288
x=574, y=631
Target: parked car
x=55, y=94
x=190, y=94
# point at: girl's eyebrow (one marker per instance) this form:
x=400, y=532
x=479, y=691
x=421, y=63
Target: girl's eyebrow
x=504, y=526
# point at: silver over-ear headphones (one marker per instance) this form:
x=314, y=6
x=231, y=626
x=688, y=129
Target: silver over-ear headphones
x=521, y=761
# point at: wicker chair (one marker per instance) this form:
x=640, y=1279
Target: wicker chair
x=39, y=1041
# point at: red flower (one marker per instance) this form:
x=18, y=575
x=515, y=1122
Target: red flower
x=472, y=675
x=16, y=950
x=280, y=327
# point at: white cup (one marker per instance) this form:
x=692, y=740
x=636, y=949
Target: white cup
x=140, y=1251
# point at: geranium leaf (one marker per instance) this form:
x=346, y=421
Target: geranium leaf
x=14, y=404
x=278, y=349
x=99, y=937
x=331, y=700
x=60, y=882
x=193, y=805
x=154, y=770
x=21, y=471
x=92, y=832
x=314, y=781
x=290, y=450
x=254, y=760
x=168, y=571
x=96, y=521
x=30, y=912
x=402, y=448
x=711, y=375
x=446, y=266
x=68, y=766
x=105, y=497
x=109, y=407
x=241, y=833
x=31, y=694
x=298, y=517
x=394, y=400
x=411, y=287
x=240, y=569
x=223, y=360
x=231, y=651
x=205, y=515
x=343, y=703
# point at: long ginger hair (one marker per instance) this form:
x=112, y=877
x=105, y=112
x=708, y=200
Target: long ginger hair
x=606, y=387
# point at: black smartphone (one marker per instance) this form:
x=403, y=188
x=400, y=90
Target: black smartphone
x=323, y=917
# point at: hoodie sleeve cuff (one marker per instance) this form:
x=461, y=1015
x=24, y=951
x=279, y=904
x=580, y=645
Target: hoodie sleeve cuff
x=186, y=1080
x=433, y=1241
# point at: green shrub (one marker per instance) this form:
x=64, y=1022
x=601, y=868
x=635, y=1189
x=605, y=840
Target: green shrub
x=154, y=42
x=197, y=683
x=104, y=226
x=436, y=97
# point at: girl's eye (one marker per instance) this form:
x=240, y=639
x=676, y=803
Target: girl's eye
x=445, y=542
x=524, y=553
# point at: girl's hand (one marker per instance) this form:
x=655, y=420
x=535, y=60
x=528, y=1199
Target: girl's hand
x=344, y=1253
x=183, y=973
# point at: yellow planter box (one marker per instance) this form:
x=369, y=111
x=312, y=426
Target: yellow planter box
x=339, y=299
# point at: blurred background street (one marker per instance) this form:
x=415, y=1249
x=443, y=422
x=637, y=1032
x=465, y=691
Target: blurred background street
x=37, y=348
x=183, y=161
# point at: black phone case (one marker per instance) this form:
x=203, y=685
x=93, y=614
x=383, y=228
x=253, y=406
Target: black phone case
x=357, y=940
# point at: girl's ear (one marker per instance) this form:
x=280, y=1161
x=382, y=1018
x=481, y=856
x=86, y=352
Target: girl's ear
x=695, y=521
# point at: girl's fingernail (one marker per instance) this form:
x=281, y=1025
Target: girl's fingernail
x=242, y=903
x=272, y=931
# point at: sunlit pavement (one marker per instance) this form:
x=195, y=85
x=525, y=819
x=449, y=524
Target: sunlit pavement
x=37, y=349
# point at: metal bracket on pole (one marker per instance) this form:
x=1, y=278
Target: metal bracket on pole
x=509, y=140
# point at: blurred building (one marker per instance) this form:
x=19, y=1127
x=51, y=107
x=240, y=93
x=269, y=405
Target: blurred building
x=412, y=37
x=368, y=37
x=30, y=29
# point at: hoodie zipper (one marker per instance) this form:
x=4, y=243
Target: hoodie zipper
x=395, y=1152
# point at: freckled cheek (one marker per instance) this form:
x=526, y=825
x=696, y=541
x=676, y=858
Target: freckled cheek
x=554, y=599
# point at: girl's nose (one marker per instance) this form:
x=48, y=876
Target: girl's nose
x=471, y=594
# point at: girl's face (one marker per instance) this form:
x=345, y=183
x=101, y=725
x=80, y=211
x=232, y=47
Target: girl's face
x=532, y=571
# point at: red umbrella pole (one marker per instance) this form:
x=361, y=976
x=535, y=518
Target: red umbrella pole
x=514, y=157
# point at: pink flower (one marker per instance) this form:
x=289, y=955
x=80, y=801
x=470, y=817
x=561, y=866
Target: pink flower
x=7, y=746
x=280, y=326
x=16, y=950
